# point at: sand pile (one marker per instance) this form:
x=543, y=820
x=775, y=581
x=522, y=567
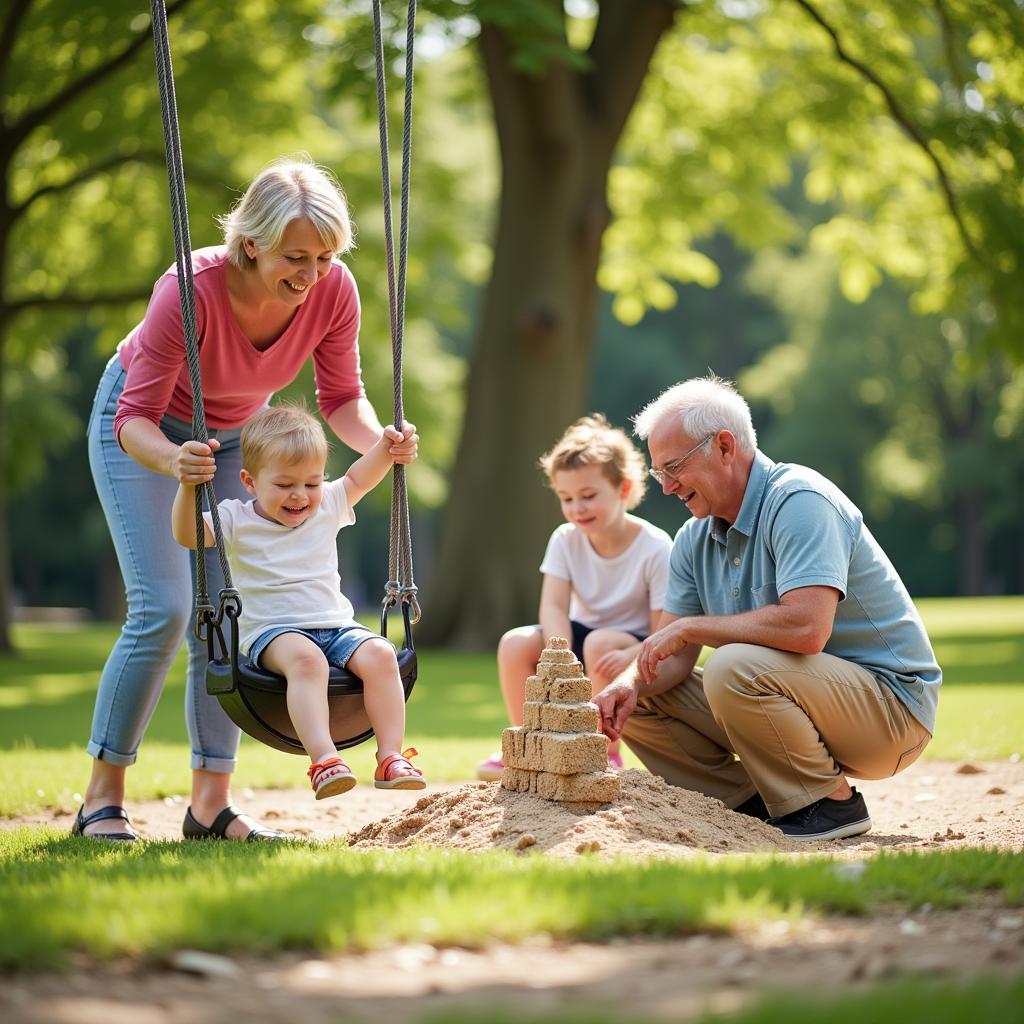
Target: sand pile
x=649, y=818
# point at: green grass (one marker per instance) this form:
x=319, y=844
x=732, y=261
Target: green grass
x=455, y=714
x=910, y=1001
x=58, y=895
x=57, y=892
x=47, y=692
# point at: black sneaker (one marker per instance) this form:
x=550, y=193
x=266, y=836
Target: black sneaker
x=754, y=807
x=826, y=819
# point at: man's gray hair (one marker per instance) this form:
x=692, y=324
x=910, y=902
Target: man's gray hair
x=702, y=406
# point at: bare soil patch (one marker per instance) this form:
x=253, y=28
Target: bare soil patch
x=672, y=980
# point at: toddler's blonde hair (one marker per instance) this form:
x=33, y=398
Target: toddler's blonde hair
x=593, y=441
x=287, y=432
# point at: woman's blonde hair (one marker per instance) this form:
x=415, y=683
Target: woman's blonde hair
x=593, y=441
x=285, y=191
x=286, y=432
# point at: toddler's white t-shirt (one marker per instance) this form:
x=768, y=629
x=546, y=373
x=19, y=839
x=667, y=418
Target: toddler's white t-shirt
x=287, y=576
x=611, y=593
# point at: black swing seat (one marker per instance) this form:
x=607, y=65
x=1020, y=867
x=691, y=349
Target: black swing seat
x=255, y=700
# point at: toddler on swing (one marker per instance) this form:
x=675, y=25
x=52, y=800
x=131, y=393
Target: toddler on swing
x=295, y=620
x=605, y=571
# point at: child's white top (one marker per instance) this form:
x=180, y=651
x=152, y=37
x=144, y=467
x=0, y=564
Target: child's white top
x=287, y=576
x=611, y=593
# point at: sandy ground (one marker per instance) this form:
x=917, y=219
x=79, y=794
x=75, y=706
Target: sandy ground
x=932, y=805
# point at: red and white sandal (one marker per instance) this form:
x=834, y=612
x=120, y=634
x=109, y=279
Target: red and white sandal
x=396, y=771
x=330, y=777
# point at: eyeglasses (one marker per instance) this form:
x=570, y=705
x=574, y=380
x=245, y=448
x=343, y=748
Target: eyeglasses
x=671, y=471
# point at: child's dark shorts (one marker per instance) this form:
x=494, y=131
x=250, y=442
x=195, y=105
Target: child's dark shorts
x=581, y=632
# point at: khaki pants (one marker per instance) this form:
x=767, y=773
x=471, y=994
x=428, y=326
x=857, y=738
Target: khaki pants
x=796, y=722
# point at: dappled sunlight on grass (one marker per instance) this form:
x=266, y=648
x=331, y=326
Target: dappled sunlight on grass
x=973, y=659
x=45, y=688
x=911, y=999
x=980, y=722
x=976, y=616
x=455, y=714
x=325, y=896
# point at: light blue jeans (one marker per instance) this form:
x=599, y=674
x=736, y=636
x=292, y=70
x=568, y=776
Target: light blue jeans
x=159, y=587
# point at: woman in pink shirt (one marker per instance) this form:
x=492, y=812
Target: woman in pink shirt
x=270, y=297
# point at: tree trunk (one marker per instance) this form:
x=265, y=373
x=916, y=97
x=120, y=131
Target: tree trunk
x=971, y=547
x=527, y=382
x=531, y=358
x=6, y=642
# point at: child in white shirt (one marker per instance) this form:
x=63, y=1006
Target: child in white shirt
x=605, y=571
x=295, y=620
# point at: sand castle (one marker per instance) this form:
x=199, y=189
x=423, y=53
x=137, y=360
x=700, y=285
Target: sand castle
x=558, y=753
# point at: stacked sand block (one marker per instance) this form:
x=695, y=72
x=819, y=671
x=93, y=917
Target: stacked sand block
x=558, y=753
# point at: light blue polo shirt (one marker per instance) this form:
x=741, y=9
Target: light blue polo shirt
x=797, y=529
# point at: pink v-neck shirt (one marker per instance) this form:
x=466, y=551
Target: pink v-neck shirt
x=237, y=378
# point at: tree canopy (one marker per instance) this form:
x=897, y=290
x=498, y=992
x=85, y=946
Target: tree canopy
x=84, y=224
x=842, y=178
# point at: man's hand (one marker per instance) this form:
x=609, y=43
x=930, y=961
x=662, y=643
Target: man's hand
x=657, y=647
x=615, y=703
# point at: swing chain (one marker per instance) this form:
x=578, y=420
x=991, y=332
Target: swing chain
x=205, y=620
x=396, y=593
x=207, y=617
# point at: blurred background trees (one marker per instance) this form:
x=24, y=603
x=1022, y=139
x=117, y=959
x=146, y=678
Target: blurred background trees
x=821, y=200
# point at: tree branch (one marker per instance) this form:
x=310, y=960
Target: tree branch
x=902, y=119
x=9, y=32
x=528, y=108
x=41, y=114
x=71, y=300
x=76, y=179
x=144, y=156
x=502, y=86
x=949, y=44
x=626, y=36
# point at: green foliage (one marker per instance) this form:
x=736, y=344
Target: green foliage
x=237, y=896
x=90, y=188
x=751, y=130
x=890, y=408
x=908, y=137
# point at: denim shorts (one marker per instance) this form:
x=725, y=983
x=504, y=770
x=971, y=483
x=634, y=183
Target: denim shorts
x=338, y=644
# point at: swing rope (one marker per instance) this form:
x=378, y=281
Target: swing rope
x=400, y=539
x=205, y=612
x=400, y=587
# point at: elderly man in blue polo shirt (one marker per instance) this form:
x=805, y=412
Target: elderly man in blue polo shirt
x=821, y=667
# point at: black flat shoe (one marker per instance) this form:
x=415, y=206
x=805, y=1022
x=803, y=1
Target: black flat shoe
x=111, y=813
x=191, y=829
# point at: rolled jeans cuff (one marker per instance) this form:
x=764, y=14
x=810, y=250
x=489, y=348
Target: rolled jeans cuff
x=111, y=756
x=226, y=765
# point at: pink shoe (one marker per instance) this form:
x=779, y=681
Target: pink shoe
x=491, y=769
x=330, y=777
x=615, y=763
x=396, y=771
